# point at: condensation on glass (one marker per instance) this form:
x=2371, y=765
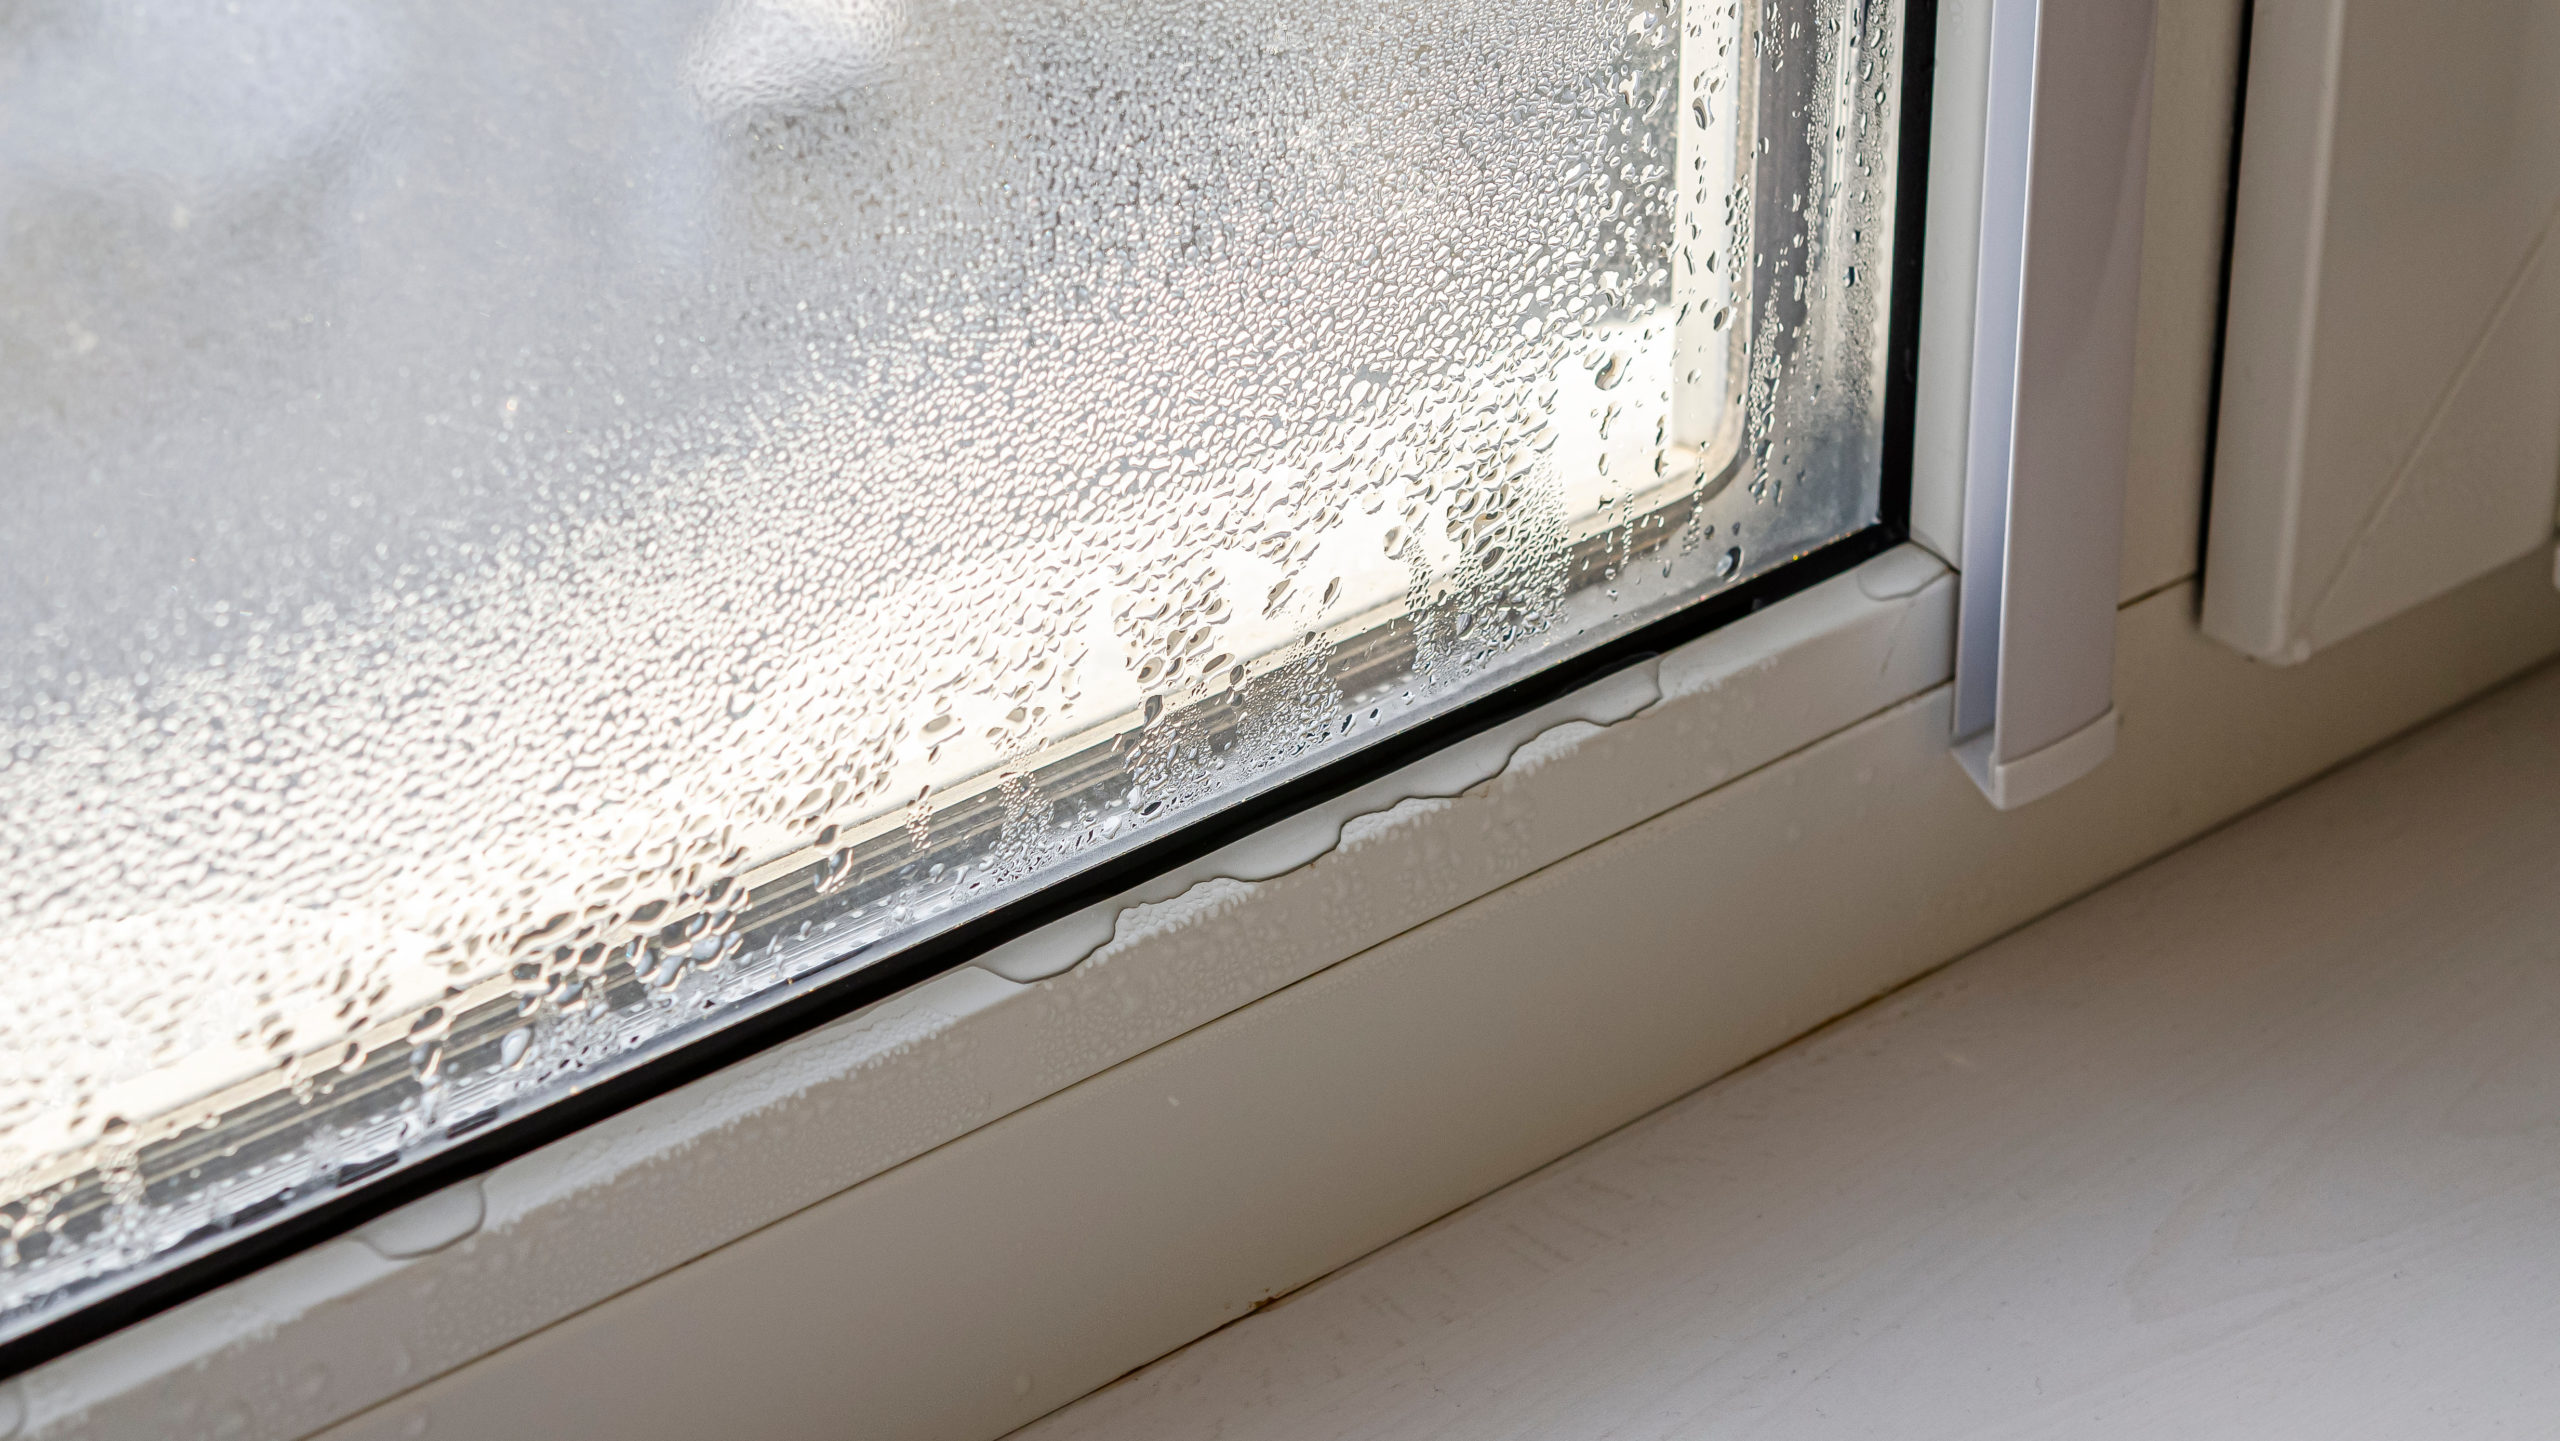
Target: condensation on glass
x=531, y=529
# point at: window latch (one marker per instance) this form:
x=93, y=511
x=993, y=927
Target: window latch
x=2066, y=136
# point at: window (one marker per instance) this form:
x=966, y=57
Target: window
x=550, y=547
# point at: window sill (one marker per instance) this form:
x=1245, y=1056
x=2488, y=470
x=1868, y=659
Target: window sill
x=1038, y=1219
x=2251, y=1142
x=1257, y=1083
x=1020, y=1266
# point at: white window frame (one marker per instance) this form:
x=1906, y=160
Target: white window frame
x=968, y=1204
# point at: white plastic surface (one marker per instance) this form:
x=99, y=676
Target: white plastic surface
x=1984, y=1209
x=2391, y=392
x=956, y=1298
x=2195, y=94
x=2065, y=145
x=2012, y=783
x=1949, y=262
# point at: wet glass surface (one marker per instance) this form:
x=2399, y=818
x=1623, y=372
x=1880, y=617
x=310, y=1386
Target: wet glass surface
x=531, y=527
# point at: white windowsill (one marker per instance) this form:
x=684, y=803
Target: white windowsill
x=1008, y=1271
x=1258, y=1082
x=2252, y=1142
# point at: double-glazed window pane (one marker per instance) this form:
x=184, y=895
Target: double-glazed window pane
x=529, y=528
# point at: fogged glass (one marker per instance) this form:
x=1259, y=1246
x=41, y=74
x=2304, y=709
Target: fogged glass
x=530, y=526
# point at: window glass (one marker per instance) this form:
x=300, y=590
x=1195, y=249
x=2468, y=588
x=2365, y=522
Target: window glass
x=531, y=527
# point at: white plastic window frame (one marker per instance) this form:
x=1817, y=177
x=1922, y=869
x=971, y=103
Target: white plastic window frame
x=301, y=1345
x=468, y=1269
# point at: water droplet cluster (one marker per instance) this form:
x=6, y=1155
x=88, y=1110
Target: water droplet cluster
x=531, y=527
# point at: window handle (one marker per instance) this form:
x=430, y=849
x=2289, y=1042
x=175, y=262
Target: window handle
x=2066, y=134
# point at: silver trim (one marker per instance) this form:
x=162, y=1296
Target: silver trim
x=2065, y=142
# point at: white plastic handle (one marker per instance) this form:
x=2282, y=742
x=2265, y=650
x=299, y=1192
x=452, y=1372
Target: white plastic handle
x=2065, y=142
